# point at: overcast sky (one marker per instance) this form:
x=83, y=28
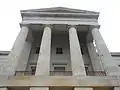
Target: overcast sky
x=109, y=18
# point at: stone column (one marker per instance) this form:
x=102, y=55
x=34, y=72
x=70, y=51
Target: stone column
x=109, y=65
x=75, y=53
x=24, y=56
x=16, y=51
x=95, y=60
x=43, y=63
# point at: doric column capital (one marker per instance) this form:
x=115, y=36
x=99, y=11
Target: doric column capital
x=48, y=25
x=72, y=26
x=48, y=28
x=24, y=25
x=94, y=26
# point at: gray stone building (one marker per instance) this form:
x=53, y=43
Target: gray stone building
x=59, y=49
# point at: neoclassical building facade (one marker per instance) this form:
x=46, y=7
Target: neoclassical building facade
x=59, y=49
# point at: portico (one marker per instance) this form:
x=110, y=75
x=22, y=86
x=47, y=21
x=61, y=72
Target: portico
x=70, y=34
x=76, y=36
x=61, y=44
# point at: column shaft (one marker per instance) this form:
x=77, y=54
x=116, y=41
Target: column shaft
x=100, y=44
x=95, y=60
x=16, y=51
x=109, y=65
x=75, y=53
x=43, y=64
x=24, y=56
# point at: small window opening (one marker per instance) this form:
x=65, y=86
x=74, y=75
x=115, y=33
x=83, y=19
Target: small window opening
x=82, y=50
x=33, y=69
x=86, y=68
x=37, y=50
x=59, y=51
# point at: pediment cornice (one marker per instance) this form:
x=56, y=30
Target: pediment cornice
x=59, y=12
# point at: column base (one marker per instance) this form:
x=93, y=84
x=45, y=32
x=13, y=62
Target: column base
x=3, y=88
x=83, y=88
x=39, y=88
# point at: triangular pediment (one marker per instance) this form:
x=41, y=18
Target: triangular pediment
x=60, y=10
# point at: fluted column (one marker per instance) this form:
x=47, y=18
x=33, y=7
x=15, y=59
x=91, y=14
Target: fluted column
x=109, y=65
x=43, y=63
x=16, y=51
x=75, y=53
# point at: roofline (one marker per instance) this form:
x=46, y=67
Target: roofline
x=48, y=11
x=54, y=8
x=4, y=51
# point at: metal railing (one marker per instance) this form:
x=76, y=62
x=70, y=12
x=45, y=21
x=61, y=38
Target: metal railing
x=96, y=73
x=60, y=73
x=24, y=73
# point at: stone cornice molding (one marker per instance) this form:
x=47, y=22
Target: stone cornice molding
x=48, y=25
x=43, y=14
x=94, y=26
x=59, y=9
x=59, y=12
x=21, y=25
